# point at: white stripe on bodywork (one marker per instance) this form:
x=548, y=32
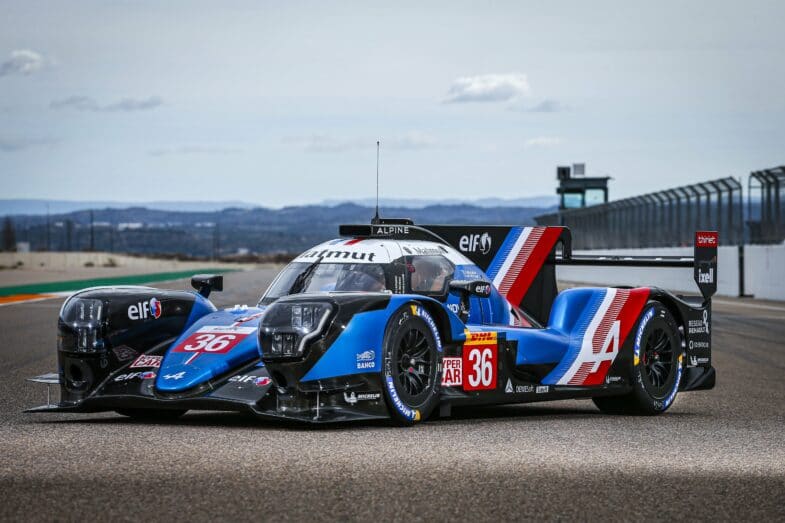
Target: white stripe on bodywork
x=587, y=350
x=516, y=248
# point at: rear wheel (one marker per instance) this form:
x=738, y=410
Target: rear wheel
x=412, y=365
x=657, y=366
x=152, y=414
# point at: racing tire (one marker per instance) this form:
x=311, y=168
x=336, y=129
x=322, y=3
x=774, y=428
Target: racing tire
x=656, y=367
x=411, y=365
x=152, y=414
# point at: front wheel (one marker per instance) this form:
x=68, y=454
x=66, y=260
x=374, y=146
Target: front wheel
x=412, y=364
x=657, y=366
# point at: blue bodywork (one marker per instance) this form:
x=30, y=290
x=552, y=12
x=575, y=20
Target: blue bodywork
x=181, y=371
x=358, y=349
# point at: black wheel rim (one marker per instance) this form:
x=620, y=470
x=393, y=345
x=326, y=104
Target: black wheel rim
x=415, y=362
x=657, y=358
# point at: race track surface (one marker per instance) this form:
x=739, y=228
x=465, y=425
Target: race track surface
x=715, y=455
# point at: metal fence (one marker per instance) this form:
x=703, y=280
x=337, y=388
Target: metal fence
x=662, y=219
x=766, y=205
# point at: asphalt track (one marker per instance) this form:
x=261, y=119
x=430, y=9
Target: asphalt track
x=715, y=455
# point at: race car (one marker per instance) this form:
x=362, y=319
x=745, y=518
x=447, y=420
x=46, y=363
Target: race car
x=393, y=321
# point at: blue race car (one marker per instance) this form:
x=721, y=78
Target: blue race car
x=393, y=321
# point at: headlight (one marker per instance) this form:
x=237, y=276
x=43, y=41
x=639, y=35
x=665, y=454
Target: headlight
x=286, y=328
x=82, y=327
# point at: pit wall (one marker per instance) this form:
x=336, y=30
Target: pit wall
x=764, y=271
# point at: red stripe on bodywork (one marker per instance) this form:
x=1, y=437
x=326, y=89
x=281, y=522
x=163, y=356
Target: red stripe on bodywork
x=528, y=263
x=626, y=307
x=353, y=241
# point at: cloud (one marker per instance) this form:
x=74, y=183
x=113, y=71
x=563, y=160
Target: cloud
x=15, y=144
x=85, y=103
x=193, y=149
x=22, y=61
x=322, y=143
x=488, y=88
x=544, y=141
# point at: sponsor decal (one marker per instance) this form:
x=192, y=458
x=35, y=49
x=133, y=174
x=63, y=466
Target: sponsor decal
x=699, y=344
x=695, y=361
x=247, y=318
x=366, y=359
x=475, y=243
x=706, y=276
x=422, y=313
x=213, y=339
x=454, y=307
x=613, y=379
x=636, y=348
x=145, y=309
x=176, y=376
x=700, y=326
x=387, y=230
x=353, y=397
x=147, y=361
x=483, y=289
x=147, y=375
x=124, y=353
x=517, y=389
x=480, y=361
x=541, y=389
x=452, y=369
x=259, y=381
x=412, y=414
x=706, y=239
x=424, y=251
x=662, y=405
x=336, y=254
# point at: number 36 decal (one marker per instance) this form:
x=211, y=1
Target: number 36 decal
x=480, y=361
x=214, y=339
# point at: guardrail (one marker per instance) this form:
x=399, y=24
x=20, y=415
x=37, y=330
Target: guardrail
x=661, y=219
x=766, y=205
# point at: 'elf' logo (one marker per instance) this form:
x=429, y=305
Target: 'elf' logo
x=145, y=309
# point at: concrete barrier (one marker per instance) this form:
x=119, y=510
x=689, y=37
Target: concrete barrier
x=764, y=271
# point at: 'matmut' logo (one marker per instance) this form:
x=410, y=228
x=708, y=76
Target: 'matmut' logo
x=327, y=254
x=475, y=243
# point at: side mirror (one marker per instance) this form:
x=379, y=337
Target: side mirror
x=466, y=288
x=206, y=283
x=479, y=288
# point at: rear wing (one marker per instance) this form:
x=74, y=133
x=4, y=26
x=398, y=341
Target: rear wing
x=521, y=261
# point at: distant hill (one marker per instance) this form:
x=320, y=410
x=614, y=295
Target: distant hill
x=533, y=201
x=249, y=230
x=38, y=206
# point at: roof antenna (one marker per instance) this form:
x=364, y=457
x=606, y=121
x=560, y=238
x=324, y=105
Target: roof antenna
x=376, y=218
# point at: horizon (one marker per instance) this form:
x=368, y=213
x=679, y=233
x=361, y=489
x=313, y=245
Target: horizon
x=69, y=206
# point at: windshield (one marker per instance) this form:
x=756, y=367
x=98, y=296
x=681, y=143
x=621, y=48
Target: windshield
x=327, y=277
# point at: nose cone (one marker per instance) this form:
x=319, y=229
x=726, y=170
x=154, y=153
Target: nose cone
x=214, y=346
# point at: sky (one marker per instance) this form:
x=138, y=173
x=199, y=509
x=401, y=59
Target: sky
x=281, y=103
